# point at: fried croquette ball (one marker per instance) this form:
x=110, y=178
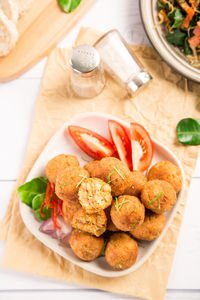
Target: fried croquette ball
x=110, y=225
x=114, y=172
x=87, y=247
x=151, y=228
x=70, y=207
x=126, y=211
x=91, y=167
x=59, y=163
x=68, y=182
x=138, y=181
x=158, y=196
x=92, y=223
x=165, y=170
x=121, y=251
x=94, y=195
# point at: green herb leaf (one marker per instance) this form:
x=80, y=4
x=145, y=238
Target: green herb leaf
x=111, y=180
x=69, y=5
x=31, y=189
x=104, y=248
x=37, y=201
x=46, y=211
x=177, y=17
x=157, y=198
x=176, y=38
x=135, y=224
x=118, y=205
x=186, y=46
x=188, y=131
x=79, y=183
x=109, y=175
x=114, y=170
x=63, y=185
x=161, y=5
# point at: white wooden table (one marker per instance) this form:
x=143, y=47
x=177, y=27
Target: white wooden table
x=18, y=100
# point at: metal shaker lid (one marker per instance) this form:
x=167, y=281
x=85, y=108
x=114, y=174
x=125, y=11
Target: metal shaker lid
x=141, y=78
x=84, y=59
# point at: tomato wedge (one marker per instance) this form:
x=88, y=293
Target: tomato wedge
x=142, y=147
x=91, y=142
x=121, y=140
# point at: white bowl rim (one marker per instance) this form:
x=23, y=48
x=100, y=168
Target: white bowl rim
x=173, y=59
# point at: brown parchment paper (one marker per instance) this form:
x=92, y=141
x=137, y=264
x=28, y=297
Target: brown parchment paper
x=158, y=107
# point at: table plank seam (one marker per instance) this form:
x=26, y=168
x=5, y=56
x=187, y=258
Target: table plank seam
x=80, y=290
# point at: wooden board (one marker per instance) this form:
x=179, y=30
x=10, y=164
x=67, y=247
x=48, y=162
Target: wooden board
x=40, y=30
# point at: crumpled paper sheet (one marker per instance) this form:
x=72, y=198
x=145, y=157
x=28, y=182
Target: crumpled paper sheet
x=158, y=107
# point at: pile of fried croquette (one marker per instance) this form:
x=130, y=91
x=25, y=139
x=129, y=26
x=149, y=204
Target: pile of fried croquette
x=110, y=208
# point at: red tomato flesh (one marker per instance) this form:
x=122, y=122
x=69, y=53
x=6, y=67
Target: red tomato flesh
x=142, y=147
x=120, y=139
x=93, y=144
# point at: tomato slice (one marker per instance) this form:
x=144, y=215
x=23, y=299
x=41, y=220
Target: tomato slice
x=95, y=145
x=142, y=147
x=120, y=139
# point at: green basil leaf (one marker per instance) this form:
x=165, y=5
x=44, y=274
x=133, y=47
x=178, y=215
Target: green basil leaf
x=31, y=189
x=188, y=131
x=46, y=211
x=69, y=5
x=176, y=38
x=37, y=201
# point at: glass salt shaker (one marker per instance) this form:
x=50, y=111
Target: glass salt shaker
x=120, y=62
x=87, y=75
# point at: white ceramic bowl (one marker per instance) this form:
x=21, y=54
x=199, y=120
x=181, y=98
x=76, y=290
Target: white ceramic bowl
x=172, y=55
x=58, y=145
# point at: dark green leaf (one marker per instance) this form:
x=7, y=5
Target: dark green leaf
x=46, y=211
x=187, y=49
x=37, y=201
x=69, y=5
x=31, y=189
x=104, y=248
x=188, y=131
x=161, y=5
x=176, y=38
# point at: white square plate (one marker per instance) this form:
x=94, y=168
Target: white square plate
x=60, y=144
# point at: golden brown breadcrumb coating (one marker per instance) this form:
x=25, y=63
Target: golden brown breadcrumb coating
x=151, y=228
x=158, y=196
x=59, y=163
x=87, y=247
x=121, y=251
x=165, y=170
x=68, y=182
x=125, y=211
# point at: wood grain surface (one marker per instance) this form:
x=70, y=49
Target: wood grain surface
x=39, y=32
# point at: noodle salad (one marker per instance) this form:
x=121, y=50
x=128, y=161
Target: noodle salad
x=181, y=19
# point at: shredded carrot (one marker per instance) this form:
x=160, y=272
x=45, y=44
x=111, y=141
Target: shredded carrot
x=48, y=194
x=188, y=19
x=53, y=202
